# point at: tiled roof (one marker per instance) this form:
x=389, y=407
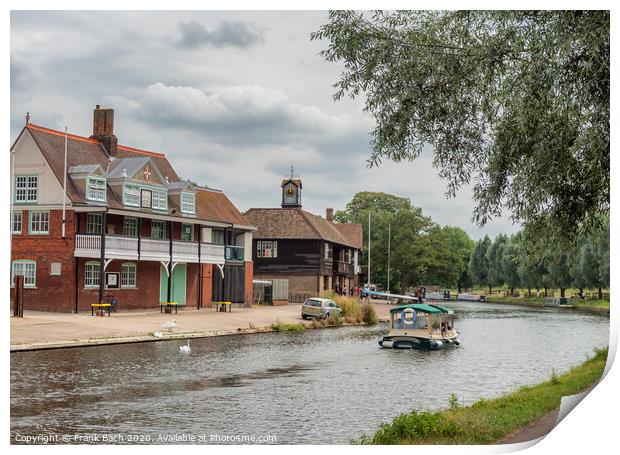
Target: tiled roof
x=295, y=223
x=211, y=205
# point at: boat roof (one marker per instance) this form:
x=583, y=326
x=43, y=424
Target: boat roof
x=424, y=307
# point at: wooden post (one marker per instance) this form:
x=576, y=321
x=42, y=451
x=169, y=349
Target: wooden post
x=170, y=263
x=18, y=303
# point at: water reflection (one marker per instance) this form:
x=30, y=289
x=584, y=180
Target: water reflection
x=279, y=383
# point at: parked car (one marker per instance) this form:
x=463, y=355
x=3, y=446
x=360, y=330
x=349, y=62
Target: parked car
x=320, y=308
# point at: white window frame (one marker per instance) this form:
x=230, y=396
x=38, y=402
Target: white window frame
x=191, y=232
x=163, y=229
x=269, y=249
x=96, y=189
x=159, y=199
x=26, y=189
x=15, y=222
x=259, y=249
x=26, y=265
x=128, y=228
x=188, y=203
x=92, y=274
x=91, y=223
x=41, y=222
x=131, y=195
x=129, y=275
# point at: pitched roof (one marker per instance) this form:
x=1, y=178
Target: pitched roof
x=295, y=223
x=211, y=205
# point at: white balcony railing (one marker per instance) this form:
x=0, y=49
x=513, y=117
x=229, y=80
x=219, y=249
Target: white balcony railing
x=119, y=247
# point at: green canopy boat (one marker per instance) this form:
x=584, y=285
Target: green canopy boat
x=420, y=326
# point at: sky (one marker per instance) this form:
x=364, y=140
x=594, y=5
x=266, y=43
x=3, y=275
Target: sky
x=232, y=98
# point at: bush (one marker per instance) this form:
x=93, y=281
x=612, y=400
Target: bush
x=334, y=320
x=415, y=426
x=280, y=327
x=369, y=314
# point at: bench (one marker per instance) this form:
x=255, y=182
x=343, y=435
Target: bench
x=101, y=308
x=223, y=306
x=168, y=306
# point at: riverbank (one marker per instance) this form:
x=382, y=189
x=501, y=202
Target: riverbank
x=491, y=421
x=47, y=330
x=589, y=306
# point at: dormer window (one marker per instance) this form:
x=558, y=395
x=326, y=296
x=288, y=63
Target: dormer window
x=96, y=189
x=188, y=203
x=131, y=195
x=160, y=199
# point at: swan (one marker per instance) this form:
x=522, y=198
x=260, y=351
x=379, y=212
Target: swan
x=158, y=334
x=169, y=325
x=185, y=349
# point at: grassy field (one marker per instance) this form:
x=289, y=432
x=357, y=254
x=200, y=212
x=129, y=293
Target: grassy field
x=591, y=303
x=487, y=421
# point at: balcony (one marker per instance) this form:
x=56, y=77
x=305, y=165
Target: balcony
x=343, y=267
x=120, y=247
x=234, y=253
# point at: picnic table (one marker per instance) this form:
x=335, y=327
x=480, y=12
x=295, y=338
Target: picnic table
x=101, y=308
x=223, y=306
x=168, y=306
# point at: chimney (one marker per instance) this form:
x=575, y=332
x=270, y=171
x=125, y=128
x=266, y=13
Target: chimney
x=329, y=215
x=103, y=128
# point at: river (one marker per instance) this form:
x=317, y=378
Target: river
x=319, y=387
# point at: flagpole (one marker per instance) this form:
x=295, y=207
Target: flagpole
x=64, y=188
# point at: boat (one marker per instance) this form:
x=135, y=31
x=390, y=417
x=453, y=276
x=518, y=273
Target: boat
x=471, y=297
x=421, y=326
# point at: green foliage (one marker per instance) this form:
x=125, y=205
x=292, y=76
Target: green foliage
x=495, y=261
x=516, y=102
x=453, y=402
x=415, y=426
x=479, y=263
x=334, y=319
x=281, y=327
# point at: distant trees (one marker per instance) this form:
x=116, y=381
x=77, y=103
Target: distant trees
x=511, y=261
x=422, y=252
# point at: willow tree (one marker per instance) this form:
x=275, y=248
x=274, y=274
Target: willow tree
x=515, y=103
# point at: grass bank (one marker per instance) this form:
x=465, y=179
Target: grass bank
x=487, y=421
x=591, y=303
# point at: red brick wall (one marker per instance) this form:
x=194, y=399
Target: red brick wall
x=52, y=293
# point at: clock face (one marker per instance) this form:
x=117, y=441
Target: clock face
x=290, y=195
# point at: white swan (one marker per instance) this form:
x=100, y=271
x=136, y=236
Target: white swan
x=185, y=349
x=169, y=325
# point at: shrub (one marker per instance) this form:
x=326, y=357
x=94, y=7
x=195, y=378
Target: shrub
x=369, y=314
x=453, y=401
x=334, y=320
x=280, y=327
x=415, y=426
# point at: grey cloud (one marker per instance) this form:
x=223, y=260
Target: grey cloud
x=228, y=33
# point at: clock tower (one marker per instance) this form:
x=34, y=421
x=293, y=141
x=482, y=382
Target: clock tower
x=291, y=191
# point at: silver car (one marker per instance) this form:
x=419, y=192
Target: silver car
x=318, y=307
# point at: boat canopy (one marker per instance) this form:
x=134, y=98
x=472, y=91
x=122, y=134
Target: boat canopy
x=423, y=307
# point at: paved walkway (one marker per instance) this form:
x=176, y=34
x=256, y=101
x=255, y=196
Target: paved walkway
x=39, y=329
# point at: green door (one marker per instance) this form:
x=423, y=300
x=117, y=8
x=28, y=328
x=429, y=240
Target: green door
x=179, y=276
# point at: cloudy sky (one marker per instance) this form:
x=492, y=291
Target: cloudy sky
x=232, y=98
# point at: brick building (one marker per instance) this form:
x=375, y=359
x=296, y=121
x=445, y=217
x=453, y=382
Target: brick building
x=132, y=227
x=312, y=252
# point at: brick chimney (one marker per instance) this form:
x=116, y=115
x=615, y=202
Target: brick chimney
x=329, y=215
x=103, y=129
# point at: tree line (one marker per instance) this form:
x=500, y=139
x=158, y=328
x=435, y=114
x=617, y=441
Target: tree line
x=424, y=252
x=510, y=261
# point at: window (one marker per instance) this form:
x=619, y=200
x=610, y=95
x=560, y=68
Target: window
x=26, y=268
x=130, y=226
x=26, y=188
x=327, y=251
x=269, y=249
x=188, y=203
x=128, y=275
x=96, y=189
x=186, y=231
x=217, y=236
x=93, y=223
x=39, y=222
x=160, y=199
x=131, y=195
x=158, y=229
x=16, y=222
x=92, y=275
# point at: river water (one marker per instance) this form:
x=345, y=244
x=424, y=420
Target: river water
x=320, y=386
